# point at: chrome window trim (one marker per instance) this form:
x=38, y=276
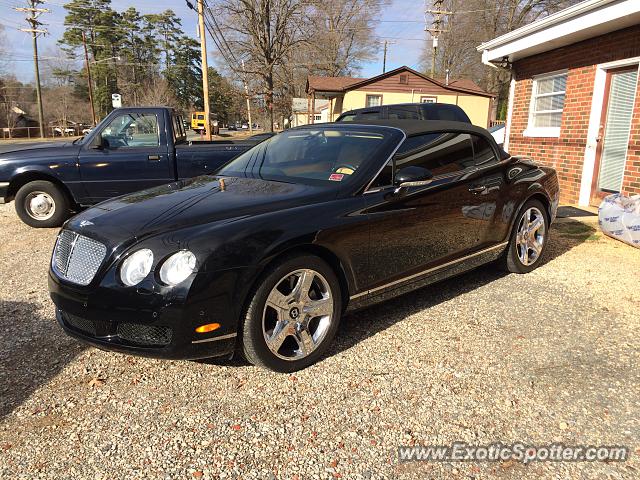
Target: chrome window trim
x=429, y=270
x=390, y=158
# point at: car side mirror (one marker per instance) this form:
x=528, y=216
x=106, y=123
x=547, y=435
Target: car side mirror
x=413, y=177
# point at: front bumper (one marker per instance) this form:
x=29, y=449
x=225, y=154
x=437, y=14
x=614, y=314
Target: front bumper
x=145, y=323
x=4, y=190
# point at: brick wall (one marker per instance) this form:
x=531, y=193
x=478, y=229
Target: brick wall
x=566, y=153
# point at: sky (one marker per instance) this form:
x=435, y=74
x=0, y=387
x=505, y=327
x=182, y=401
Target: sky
x=401, y=24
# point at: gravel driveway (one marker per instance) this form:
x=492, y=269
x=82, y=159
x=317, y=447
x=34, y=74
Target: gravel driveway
x=551, y=356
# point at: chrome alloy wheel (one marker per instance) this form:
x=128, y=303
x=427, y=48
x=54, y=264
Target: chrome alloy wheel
x=40, y=205
x=297, y=314
x=530, y=236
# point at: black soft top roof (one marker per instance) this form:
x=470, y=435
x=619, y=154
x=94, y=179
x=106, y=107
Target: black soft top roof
x=421, y=127
x=418, y=127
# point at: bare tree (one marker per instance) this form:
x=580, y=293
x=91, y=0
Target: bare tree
x=475, y=21
x=157, y=92
x=261, y=33
x=342, y=34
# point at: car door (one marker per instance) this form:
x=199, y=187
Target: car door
x=129, y=154
x=417, y=228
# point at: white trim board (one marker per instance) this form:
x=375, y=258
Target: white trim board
x=582, y=21
x=589, y=162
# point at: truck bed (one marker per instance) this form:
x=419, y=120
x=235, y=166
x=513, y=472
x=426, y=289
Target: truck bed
x=198, y=158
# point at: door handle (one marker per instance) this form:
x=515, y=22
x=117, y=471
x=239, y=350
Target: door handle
x=477, y=188
x=154, y=158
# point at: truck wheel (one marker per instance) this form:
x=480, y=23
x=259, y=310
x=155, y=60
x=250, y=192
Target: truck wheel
x=42, y=204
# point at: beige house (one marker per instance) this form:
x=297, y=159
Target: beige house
x=402, y=85
x=301, y=111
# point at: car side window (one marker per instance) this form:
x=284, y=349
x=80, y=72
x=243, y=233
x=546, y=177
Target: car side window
x=483, y=152
x=417, y=141
x=131, y=130
x=369, y=115
x=384, y=178
x=442, y=154
x=349, y=117
x=408, y=112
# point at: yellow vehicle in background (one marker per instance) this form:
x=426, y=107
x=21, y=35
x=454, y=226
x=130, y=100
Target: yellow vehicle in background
x=198, y=122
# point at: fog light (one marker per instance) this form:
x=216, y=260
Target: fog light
x=209, y=327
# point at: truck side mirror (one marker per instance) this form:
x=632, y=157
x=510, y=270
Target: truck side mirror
x=99, y=143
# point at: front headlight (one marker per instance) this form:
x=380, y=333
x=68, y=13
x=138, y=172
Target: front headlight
x=136, y=267
x=177, y=267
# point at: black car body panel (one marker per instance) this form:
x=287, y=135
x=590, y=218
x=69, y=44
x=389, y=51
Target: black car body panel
x=89, y=173
x=381, y=241
x=407, y=111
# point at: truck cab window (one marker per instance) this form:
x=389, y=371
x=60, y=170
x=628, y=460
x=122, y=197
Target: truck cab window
x=130, y=130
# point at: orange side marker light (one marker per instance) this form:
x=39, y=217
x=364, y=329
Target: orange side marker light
x=209, y=327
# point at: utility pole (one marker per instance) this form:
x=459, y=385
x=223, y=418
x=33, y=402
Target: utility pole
x=384, y=58
x=437, y=13
x=89, y=81
x=246, y=92
x=205, y=69
x=34, y=12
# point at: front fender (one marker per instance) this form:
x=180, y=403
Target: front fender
x=62, y=171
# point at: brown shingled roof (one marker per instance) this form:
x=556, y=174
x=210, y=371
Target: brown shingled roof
x=465, y=83
x=330, y=84
x=342, y=84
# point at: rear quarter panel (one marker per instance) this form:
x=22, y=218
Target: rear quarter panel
x=526, y=180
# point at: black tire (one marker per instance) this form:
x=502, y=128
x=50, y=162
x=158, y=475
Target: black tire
x=53, y=194
x=254, y=344
x=511, y=260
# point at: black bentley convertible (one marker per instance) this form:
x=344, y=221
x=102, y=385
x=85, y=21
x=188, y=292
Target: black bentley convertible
x=265, y=256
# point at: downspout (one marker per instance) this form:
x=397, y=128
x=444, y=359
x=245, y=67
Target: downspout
x=512, y=88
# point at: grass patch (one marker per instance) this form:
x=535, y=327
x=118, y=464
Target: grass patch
x=577, y=231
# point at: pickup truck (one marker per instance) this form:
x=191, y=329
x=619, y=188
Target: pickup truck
x=131, y=149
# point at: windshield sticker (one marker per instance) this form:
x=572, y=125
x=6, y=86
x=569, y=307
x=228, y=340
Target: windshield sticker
x=345, y=170
x=336, y=177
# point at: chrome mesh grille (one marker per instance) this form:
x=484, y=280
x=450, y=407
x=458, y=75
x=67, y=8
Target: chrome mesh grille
x=76, y=258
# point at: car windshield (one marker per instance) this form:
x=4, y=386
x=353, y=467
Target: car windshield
x=319, y=156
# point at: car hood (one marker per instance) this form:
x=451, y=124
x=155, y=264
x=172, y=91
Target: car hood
x=188, y=203
x=40, y=150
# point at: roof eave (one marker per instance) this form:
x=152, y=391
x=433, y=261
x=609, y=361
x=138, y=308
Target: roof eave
x=571, y=25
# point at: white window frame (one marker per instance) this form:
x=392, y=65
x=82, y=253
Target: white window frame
x=532, y=131
x=366, y=100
